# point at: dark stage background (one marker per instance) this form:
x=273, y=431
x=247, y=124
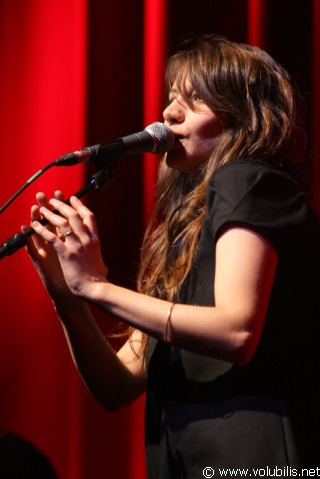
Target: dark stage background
x=76, y=73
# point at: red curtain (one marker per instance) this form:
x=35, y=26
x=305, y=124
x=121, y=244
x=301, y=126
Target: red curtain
x=42, y=116
x=77, y=73
x=256, y=22
x=155, y=36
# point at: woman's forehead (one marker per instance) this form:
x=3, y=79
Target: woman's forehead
x=181, y=85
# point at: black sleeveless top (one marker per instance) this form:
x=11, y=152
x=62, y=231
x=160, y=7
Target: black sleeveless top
x=207, y=413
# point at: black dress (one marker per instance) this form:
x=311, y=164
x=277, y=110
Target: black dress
x=207, y=413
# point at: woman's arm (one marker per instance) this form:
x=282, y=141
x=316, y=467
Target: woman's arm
x=245, y=268
x=230, y=330
x=115, y=379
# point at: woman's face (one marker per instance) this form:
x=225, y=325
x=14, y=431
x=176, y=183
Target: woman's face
x=195, y=126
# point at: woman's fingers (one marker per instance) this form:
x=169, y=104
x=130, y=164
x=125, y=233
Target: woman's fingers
x=73, y=222
x=61, y=223
x=33, y=245
x=44, y=232
x=71, y=233
x=44, y=246
x=79, y=218
x=59, y=195
x=86, y=215
x=36, y=242
x=42, y=200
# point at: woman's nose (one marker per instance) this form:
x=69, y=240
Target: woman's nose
x=174, y=112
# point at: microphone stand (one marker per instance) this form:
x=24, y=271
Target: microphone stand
x=95, y=183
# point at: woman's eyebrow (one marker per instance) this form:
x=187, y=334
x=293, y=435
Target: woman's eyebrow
x=173, y=91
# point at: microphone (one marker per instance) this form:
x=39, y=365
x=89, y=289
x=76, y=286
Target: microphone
x=156, y=138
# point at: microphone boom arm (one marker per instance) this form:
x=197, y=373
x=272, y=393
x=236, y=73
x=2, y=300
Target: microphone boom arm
x=156, y=138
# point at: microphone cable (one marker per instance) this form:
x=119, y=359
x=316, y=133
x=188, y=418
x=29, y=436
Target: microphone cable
x=26, y=184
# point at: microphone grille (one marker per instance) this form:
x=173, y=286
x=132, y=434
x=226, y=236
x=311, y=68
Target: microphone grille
x=163, y=137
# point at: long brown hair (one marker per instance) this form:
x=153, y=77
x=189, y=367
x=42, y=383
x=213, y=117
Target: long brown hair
x=256, y=96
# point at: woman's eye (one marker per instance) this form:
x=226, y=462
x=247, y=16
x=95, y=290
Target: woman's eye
x=196, y=98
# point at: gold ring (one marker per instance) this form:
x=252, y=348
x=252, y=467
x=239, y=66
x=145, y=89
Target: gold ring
x=68, y=233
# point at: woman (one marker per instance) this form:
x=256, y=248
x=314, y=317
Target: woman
x=224, y=326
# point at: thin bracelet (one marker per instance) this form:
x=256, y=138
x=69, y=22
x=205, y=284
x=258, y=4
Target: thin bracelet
x=169, y=325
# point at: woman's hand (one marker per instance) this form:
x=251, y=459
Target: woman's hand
x=67, y=252
x=43, y=255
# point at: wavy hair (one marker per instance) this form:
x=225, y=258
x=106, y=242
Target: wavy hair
x=259, y=102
